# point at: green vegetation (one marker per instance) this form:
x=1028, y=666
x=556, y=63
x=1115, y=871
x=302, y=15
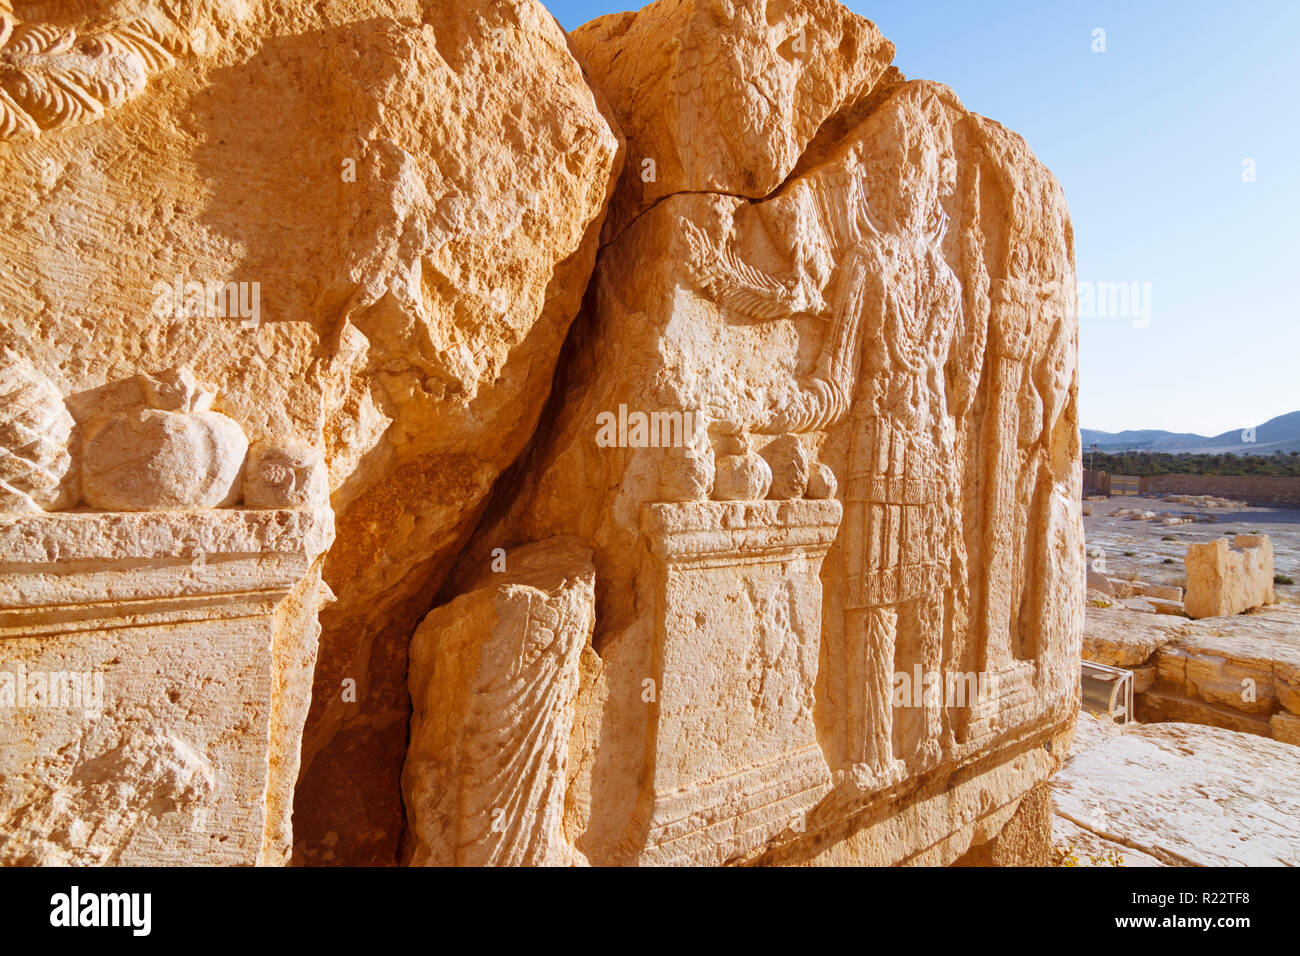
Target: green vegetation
x=1146, y=463
x=1282, y=579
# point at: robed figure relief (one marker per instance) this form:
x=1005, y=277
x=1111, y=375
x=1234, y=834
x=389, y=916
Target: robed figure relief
x=891, y=306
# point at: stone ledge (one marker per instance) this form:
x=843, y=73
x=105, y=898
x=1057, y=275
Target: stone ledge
x=698, y=529
x=72, y=571
x=67, y=537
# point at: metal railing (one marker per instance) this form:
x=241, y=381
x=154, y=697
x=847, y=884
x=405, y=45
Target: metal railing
x=1107, y=690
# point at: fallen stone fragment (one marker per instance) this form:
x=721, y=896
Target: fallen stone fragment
x=1186, y=795
x=1228, y=580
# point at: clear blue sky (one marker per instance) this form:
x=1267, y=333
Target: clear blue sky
x=1148, y=139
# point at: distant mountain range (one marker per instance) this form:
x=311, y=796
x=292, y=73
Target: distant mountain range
x=1276, y=434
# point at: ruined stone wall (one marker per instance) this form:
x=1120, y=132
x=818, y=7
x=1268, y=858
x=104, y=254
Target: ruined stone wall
x=1096, y=481
x=1264, y=491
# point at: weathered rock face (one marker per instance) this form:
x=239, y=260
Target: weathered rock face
x=154, y=673
x=175, y=453
x=792, y=556
x=1240, y=672
x=1223, y=579
x=1181, y=795
x=725, y=97
x=888, y=311
x=1121, y=638
x=36, y=466
x=367, y=223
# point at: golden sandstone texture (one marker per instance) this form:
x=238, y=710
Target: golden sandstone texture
x=442, y=440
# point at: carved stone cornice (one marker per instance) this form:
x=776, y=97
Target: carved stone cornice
x=74, y=571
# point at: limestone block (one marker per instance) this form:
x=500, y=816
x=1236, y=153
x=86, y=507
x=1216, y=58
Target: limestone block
x=1162, y=606
x=1091, y=849
x=1124, y=588
x=494, y=677
x=1099, y=582
x=1228, y=579
x=138, y=664
x=1286, y=728
x=1121, y=638
x=1187, y=795
x=737, y=626
x=1163, y=592
x=1161, y=705
x=1024, y=840
x=36, y=466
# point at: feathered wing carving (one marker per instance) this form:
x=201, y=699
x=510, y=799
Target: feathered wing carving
x=55, y=76
x=738, y=287
x=741, y=289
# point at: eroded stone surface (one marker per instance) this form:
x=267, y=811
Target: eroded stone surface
x=367, y=223
x=279, y=476
x=725, y=97
x=1118, y=637
x=1236, y=671
x=36, y=465
x=836, y=316
x=147, y=666
x=1186, y=795
x=900, y=305
x=150, y=460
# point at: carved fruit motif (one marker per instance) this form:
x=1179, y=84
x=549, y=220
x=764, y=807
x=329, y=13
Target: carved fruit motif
x=176, y=456
x=36, y=471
